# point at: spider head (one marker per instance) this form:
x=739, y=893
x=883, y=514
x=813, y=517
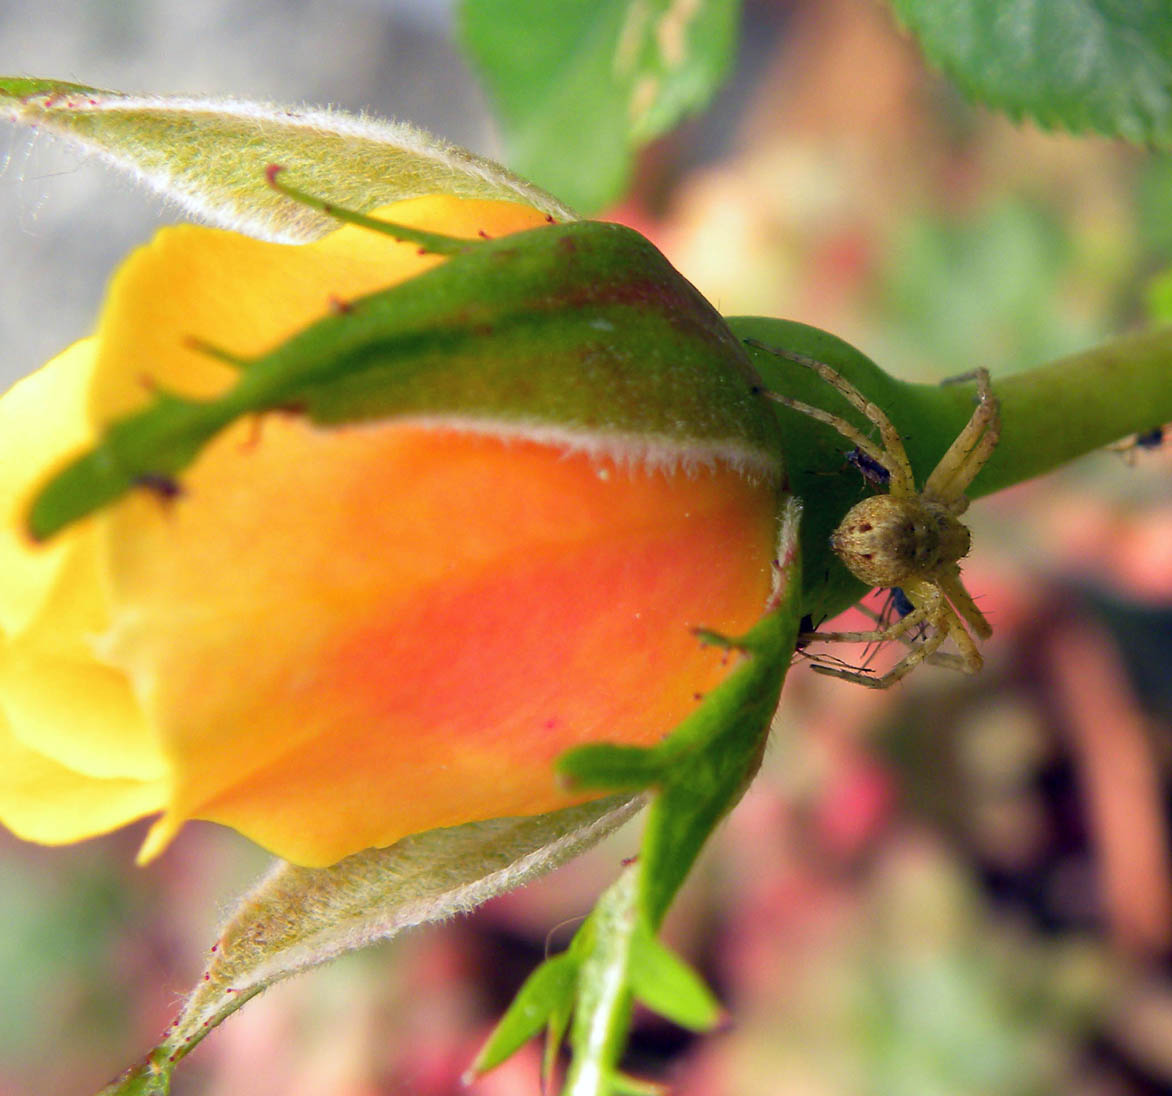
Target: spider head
x=887, y=541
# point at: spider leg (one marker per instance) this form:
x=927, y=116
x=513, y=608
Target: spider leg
x=932, y=608
x=895, y=606
x=883, y=619
x=938, y=658
x=875, y=452
x=892, y=455
x=921, y=652
x=955, y=608
x=946, y=625
x=969, y=451
x=876, y=635
x=963, y=603
x=971, y=660
x=947, y=661
x=822, y=659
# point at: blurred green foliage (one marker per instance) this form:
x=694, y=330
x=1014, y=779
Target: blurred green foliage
x=581, y=86
x=60, y=956
x=961, y=291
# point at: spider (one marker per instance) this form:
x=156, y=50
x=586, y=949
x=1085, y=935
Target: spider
x=908, y=539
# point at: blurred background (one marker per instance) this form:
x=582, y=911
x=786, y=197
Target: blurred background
x=957, y=887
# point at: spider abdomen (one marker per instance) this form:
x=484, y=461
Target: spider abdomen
x=885, y=541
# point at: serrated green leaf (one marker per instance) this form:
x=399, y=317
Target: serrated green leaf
x=546, y=996
x=664, y=983
x=587, y=81
x=210, y=155
x=1098, y=65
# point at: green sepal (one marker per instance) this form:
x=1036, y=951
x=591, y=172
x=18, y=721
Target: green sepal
x=210, y=155
x=697, y=775
x=151, y=1077
x=296, y=918
x=583, y=329
x=605, y=765
x=435, y=243
x=663, y=982
x=544, y=1000
x=699, y=772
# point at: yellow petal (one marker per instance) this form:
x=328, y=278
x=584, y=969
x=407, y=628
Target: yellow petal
x=63, y=702
x=42, y=419
x=42, y=800
x=247, y=296
x=76, y=758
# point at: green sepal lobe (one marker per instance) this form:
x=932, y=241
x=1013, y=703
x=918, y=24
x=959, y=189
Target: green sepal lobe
x=580, y=331
x=545, y=999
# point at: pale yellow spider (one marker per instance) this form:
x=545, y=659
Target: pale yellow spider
x=907, y=538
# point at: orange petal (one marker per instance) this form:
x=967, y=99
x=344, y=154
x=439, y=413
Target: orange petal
x=247, y=296
x=348, y=636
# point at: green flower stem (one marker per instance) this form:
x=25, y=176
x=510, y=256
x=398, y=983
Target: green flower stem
x=1063, y=410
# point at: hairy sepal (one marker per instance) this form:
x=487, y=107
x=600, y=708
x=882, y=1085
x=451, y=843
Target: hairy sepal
x=297, y=918
x=209, y=155
x=582, y=335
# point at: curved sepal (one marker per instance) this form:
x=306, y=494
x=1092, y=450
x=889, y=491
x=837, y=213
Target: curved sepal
x=695, y=777
x=297, y=918
x=700, y=772
x=580, y=334
x=209, y=155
